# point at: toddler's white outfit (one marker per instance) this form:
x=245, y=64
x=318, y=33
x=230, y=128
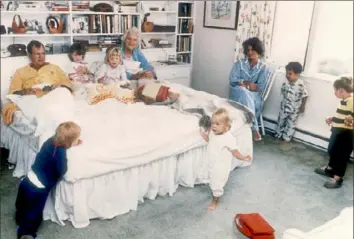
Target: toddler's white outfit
x=108, y=75
x=219, y=156
x=81, y=78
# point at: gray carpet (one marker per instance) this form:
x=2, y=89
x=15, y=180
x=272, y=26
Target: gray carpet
x=280, y=185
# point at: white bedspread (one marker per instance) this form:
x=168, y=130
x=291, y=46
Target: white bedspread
x=117, y=136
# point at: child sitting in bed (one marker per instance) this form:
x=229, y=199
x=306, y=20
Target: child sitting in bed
x=112, y=70
x=48, y=168
x=221, y=147
x=79, y=71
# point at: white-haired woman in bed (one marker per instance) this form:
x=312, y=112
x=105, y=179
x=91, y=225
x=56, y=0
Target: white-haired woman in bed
x=133, y=57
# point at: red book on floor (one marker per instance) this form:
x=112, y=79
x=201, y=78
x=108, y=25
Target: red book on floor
x=254, y=226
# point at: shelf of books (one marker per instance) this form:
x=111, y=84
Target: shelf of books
x=184, y=43
x=61, y=23
x=166, y=25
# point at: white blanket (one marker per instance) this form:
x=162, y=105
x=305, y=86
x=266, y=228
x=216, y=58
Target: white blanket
x=117, y=136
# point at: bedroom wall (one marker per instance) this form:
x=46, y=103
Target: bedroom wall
x=213, y=56
x=213, y=59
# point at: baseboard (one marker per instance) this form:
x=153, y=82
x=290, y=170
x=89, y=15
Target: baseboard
x=302, y=136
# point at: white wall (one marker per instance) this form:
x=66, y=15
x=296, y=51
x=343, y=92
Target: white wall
x=213, y=56
x=212, y=62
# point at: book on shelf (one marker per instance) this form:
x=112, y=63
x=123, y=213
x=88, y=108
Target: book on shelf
x=184, y=58
x=128, y=9
x=111, y=24
x=80, y=5
x=58, y=6
x=184, y=43
x=185, y=9
x=185, y=26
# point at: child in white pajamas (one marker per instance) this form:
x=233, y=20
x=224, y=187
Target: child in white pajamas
x=112, y=71
x=221, y=148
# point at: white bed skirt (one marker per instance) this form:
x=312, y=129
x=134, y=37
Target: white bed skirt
x=116, y=193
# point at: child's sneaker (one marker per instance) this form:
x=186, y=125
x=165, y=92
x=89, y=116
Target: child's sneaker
x=325, y=171
x=332, y=183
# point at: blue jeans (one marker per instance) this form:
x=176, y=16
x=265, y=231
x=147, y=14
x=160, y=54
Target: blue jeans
x=250, y=99
x=30, y=203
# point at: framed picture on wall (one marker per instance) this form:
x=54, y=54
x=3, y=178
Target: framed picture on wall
x=221, y=14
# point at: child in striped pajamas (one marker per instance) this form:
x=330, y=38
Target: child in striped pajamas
x=294, y=96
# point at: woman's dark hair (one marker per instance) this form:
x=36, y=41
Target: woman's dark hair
x=294, y=66
x=345, y=83
x=256, y=45
x=78, y=49
x=32, y=44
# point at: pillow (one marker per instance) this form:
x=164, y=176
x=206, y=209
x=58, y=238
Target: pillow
x=28, y=104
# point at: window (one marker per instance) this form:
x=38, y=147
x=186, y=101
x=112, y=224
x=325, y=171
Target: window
x=330, y=50
x=320, y=37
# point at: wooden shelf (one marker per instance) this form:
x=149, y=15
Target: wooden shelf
x=103, y=13
x=184, y=52
x=35, y=35
x=96, y=34
x=158, y=33
x=163, y=12
x=35, y=12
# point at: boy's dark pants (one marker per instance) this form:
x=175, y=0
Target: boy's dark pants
x=340, y=150
x=30, y=203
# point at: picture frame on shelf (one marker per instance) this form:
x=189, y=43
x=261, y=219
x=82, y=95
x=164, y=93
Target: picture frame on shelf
x=80, y=24
x=221, y=14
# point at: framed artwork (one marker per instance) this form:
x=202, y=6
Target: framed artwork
x=80, y=24
x=221, y=14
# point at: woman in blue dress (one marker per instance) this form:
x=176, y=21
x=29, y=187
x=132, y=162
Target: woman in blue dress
x=131, y=54
x=248, y=79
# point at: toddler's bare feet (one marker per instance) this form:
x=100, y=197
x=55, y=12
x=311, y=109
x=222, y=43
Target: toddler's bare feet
x=212, y=205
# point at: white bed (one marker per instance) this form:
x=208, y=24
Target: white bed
x=105, y=180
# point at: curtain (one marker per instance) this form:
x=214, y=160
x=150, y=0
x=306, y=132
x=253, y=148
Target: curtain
x=255, y=19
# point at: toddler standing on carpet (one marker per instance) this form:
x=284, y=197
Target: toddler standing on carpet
x=112, y=70
x=48, y=168
x=221, y=148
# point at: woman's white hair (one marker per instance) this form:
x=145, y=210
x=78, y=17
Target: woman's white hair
x=131, y=31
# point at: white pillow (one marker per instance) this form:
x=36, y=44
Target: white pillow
x=28, y=104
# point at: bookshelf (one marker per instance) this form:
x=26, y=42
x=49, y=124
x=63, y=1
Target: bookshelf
x=174, y=21
x=81, y=23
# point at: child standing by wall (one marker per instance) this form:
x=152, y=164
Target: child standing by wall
x=342, y=134
x=48, y=168
x=294, y=96
x=113, y=70
x=78, y=70
x=221, y=147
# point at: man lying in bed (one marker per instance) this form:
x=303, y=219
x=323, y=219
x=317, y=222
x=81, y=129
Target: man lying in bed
x=25, y=81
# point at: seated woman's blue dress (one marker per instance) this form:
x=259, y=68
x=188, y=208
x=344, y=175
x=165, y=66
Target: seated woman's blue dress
x=242, y=71
x=138, y=56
